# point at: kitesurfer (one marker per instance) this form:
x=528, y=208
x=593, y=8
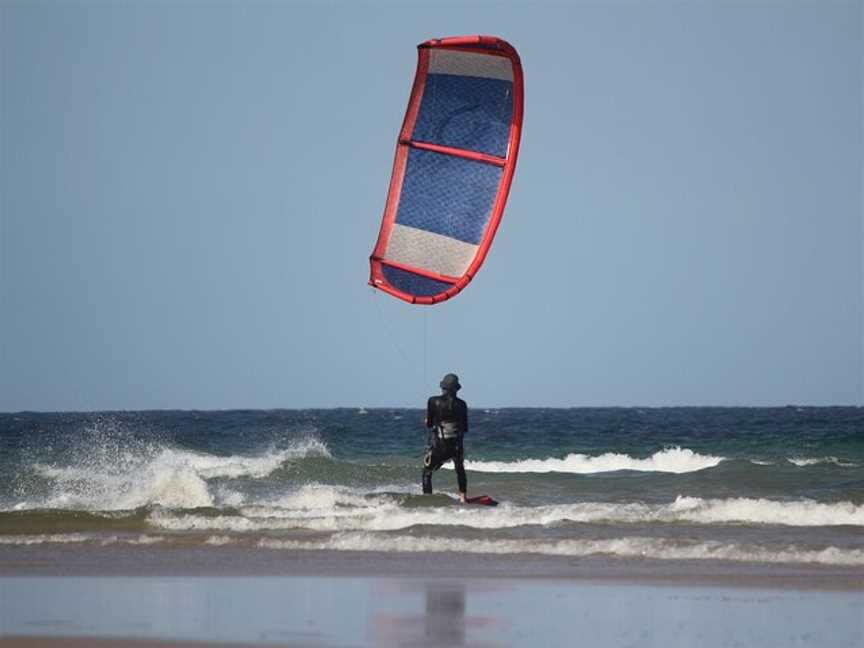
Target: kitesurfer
x=447, y=418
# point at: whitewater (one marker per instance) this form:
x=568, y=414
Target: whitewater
x=671, y=460
x=743, y=486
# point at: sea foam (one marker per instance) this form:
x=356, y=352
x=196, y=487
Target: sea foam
x=80, y=538
x=164, y=476
x=327, y=508
x=802, y=462
x=670, y=460
x=630, y=547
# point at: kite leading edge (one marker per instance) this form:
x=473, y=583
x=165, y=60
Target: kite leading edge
x=454, y=164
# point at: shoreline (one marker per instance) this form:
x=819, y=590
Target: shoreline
x=227, y=561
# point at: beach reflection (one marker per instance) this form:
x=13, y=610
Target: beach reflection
x=441, y=619
x=445, y=614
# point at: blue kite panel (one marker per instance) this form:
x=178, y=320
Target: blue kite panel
x=413, y=284
x=448, y=195
x=466, y=112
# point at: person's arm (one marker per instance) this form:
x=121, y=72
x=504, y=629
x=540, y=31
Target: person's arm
x=429, y=421
x=464, y=415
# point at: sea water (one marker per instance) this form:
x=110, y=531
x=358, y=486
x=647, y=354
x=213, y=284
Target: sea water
x=747, y=485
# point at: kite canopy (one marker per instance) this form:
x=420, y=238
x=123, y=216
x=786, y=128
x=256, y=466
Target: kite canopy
x=454, y=164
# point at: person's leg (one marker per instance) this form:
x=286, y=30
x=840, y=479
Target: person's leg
x=431, y=462
x=459, y=464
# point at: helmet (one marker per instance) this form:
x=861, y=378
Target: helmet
x=450, y=382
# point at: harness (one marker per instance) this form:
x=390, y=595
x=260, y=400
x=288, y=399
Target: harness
x=448, y=430
x=439, y=435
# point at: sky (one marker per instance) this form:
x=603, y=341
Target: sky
x=191, y=191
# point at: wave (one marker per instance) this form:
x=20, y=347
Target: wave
x=670, y=460
x=765, y=511
x=332, y=509
x=312, y=506
x=80, y=538
x=626, y=547
x=814, y=461
x=163, y=476
x=53, y=521
x=631, y=547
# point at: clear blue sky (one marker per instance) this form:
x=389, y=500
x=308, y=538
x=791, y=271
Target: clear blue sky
x=190, y=194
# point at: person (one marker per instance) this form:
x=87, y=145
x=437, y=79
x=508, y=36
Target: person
x=447, y=418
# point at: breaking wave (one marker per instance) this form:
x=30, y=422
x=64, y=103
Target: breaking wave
x=670, y=460
x=814, y=461
x=632, y=547
x=80, y=538
x=334, y=509
x=163, y=476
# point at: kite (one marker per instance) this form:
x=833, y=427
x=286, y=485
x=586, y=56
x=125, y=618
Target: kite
x=454, y=164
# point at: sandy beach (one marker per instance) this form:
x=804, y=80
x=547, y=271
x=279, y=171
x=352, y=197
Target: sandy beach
x=331, y=611
x=146, y=597
x=120, y=560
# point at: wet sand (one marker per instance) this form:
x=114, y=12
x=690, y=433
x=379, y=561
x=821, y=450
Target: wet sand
x=149, y=597
x=144, y=612
x=196, y=559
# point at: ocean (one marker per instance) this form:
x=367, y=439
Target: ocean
x=743, y=486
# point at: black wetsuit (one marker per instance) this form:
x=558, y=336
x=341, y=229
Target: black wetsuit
x=447, y=415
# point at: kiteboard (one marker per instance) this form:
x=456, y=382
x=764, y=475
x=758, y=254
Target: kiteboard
x=482, y=500
x=455, y=159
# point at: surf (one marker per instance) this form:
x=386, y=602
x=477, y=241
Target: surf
x=330, y=509
x=127, y=478
x=630, y=547
x=670, y=460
